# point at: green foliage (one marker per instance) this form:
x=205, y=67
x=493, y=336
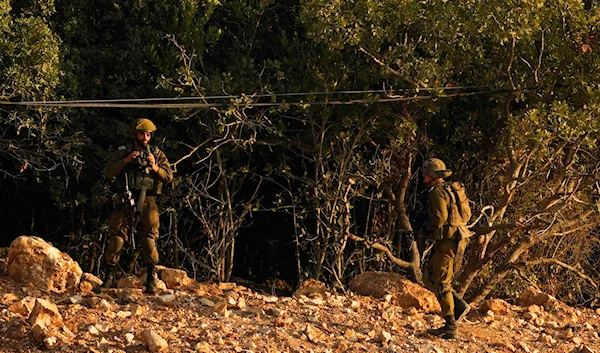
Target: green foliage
x=505, y=92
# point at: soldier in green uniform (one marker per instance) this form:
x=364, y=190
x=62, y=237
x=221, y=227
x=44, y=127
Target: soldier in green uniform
x=440, y=269
x=142, y=170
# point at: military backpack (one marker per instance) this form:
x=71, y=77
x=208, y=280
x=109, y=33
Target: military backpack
x=459, y=214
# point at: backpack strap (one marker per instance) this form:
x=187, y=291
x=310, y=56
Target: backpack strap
x=453, y=197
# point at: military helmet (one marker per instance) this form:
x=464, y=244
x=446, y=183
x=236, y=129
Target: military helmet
x=435, y=168
x=142, y=125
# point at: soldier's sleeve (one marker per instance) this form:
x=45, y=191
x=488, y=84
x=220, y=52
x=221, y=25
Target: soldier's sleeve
x=115, y=164
x=165, y=173
x=438, y=213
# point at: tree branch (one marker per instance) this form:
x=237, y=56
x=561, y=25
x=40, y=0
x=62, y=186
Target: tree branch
x=382, y=248
x=551, y=261
x=388, y=68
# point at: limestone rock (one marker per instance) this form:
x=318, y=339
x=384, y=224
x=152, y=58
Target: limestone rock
x=530, y=316
x=310, y=288
x=167, y=299
x=45, y=313
x=533, y=296
x=497, y=306
x=585, y=349
x=8, y=298
x=23, y=307
x=47, y=324
x=203, y=347
x=241, y=303
x=524, y=347
x=85, y=287
x=384, y=337
x=174, y=278
x=207, y=302
x=91, y=279
x=253, y=312
x=154, y=341
x=314, y=334
x=90, y=302
x=406, y=293
x=129, y=338
x=157, y=269
x=33, y=260
x=129, y=282
x=276, y=312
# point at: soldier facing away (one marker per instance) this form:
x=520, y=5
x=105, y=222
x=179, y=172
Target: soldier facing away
x=139, y=172
x=445, y=226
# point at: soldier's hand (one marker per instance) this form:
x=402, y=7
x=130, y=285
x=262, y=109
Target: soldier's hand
x=151, y=159
x=133, y=155
x=152, y=162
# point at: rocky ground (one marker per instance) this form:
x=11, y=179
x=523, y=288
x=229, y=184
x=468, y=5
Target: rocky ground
x=48, y=304
x=206, y=317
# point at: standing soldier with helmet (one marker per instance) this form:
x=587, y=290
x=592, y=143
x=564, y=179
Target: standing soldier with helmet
x=139, y=173
x=448, y=211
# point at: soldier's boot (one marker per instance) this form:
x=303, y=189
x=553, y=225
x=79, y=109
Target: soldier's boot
x=461, y=307
x=447, y=331
x=150, y=281
x=109, y=278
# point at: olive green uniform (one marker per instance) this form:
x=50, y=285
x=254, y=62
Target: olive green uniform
x=441, y=264
x=119, y=224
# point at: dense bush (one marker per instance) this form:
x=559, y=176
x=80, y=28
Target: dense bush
x=272, y=181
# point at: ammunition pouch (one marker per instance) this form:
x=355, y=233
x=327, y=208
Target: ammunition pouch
x=135, y=177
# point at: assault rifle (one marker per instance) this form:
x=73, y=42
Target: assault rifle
x=138, y=207
x=128, y=198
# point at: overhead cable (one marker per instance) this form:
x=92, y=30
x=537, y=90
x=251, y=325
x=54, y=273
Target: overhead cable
x=131, y=103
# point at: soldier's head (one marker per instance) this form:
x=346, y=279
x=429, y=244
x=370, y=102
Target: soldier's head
x=142, y=130
x=434, y=168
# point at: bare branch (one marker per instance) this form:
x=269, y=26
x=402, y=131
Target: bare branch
x=388, y=68
x=551, y=261
x=382, y=248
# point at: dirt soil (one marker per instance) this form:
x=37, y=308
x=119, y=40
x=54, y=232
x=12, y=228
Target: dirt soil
x=226, y=317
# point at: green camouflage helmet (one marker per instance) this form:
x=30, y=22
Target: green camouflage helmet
x=435, y=168
x=142, y=125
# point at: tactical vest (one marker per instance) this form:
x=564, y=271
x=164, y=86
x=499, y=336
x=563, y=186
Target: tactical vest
x=136, y=171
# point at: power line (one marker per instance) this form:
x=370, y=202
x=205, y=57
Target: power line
x=130, y=103
x=269, y=95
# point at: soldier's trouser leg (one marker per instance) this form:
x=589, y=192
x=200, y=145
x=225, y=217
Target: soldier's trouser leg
x=118, y=227
x=148, y=231
x=441, y=266
x=461, y=307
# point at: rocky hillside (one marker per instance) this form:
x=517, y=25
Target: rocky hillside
x=39, y=311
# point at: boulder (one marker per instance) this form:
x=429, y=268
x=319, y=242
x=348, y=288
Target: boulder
x=497, y=306
x=533, y=296
x=310, y=288
x=405, y=293
x=129, y=281
x=174, y=278
x=33, y=260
